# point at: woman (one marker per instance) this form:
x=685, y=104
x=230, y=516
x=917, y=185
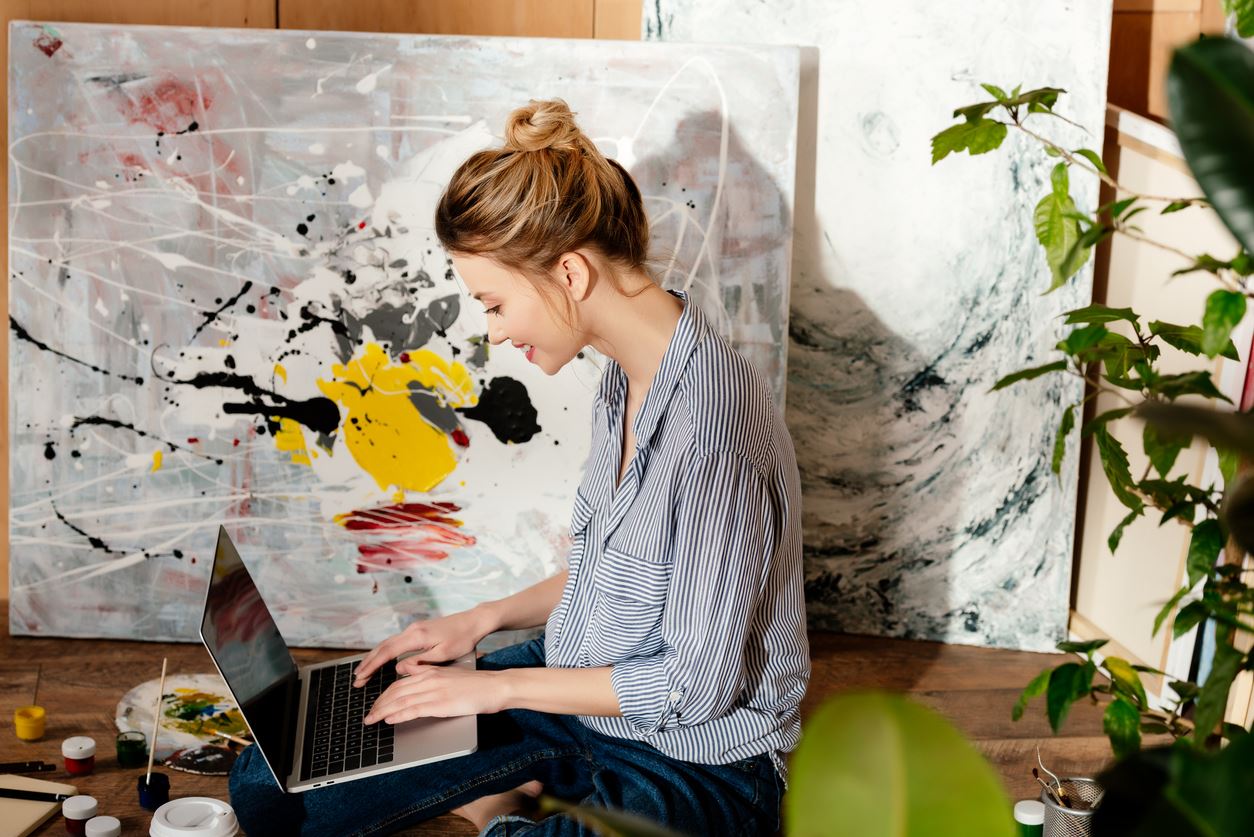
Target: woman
x=669, y=678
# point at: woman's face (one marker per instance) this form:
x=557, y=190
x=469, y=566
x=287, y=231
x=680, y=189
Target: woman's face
x=516, y=312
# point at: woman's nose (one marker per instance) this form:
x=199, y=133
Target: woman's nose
x=496, y=336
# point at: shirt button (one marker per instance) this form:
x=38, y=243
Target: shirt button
x=676, y=695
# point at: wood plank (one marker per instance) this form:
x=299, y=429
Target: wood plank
x=974, y=688
x=617, y=19
x=1141, y=44
x=516, y=18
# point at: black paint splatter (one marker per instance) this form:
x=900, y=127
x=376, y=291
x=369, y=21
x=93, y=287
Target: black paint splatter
x=318, y=414
x=23, y=334
x=506, y=408
x=213, y=315
x=122, y=425
x=92, y=539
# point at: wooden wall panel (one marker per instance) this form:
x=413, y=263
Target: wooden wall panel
x=525, y=18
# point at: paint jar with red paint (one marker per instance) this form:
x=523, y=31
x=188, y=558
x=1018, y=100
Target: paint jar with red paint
x=80, y=755
x=77, y=810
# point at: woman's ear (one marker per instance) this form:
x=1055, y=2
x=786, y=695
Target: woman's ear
x=574, y=272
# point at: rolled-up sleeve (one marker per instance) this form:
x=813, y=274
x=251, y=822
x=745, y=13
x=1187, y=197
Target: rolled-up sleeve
x=725, y=534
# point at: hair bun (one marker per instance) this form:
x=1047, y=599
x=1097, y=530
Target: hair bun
x=541, y=124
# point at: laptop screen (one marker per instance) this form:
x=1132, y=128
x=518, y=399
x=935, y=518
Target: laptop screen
x=245, y=643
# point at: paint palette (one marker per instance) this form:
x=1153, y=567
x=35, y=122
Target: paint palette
x=194, y=709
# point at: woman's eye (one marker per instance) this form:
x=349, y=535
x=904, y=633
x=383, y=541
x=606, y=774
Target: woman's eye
x=495, y=309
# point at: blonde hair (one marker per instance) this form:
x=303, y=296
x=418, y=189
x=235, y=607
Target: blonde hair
x=547, y=191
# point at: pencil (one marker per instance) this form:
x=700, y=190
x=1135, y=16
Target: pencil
x=34, y=796
x=27, y=766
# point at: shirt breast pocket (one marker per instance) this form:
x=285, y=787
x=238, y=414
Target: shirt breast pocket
x=630, y=595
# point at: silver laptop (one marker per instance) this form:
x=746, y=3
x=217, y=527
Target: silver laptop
x=306, y=720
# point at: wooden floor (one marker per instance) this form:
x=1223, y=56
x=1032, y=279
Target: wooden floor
x=975, y=688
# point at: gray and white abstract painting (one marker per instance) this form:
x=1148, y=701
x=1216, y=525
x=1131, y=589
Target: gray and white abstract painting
x=930, y=509
x=228, y=307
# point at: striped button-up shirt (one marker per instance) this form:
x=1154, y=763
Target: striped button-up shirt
x=686, y=577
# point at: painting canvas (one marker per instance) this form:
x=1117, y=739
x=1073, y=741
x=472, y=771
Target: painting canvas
x=930, y=508
x=228, y=307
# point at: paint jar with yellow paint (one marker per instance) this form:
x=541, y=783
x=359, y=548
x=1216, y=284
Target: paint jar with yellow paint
x=29, y=722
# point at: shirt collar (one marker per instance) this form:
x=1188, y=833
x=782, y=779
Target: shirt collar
x=689, y=332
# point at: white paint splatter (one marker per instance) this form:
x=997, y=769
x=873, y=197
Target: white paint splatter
x=361, y=197
x=317, y=148
x=368, y=84
x=171, y=261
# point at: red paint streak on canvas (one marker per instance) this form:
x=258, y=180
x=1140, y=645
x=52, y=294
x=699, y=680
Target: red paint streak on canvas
x=169, y=106
x=47, y=44
x=417, y=533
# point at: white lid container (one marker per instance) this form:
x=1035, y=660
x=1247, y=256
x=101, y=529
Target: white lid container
x=194, y=816
x=81, y=807
x=78, y=747
x=104, y=827
x=1030, y=812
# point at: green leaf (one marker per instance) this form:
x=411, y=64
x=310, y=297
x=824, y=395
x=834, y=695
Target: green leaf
x=1182, y=509
x=1060, y=440
x=1179, y=791
x=1069, y=682
x=1102, y=419
x=1175, y=206
x=1221, y=428
x=1093, y=158
x=1212, y=700
x=976, y=137
x=1034, y=689
x=1244, y=11
x=1204, y=548
x=1187, y=338
x=1162, y=447
x=1122, y=724
x=868, y=764
x=1229, y=459
x=1082, y=338
x=1117, y=534
x=1056, y=232
x=1027, y=374
x=1122, y=673
x=1204, y=262
x=995, y=91
x=1224, y=309
x=1100, y=314
x=1166, y=609
x=1117, y=207
x=1115, y=465
x=1188, y=618
x=1185, y=690
x=1210, y=94
x=1188, y=383
x=1082, y=647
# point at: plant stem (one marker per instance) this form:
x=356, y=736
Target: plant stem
x=1084, y=164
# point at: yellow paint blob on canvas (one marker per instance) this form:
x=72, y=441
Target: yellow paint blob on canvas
x=382, y=428
x=290, y=438
x=156, y=460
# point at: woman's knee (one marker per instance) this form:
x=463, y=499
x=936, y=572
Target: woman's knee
x=261, y=806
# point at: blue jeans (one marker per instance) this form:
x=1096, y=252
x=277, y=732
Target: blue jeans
x=573, y=762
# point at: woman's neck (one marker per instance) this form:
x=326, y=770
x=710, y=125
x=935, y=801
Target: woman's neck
x=635, y=330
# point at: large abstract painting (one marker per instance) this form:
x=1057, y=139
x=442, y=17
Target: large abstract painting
x=228, y=307
x=930, y=509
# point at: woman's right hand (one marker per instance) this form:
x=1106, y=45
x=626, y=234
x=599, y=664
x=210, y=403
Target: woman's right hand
x=436, y=641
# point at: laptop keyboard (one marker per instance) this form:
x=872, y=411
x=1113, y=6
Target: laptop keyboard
x=335, y=738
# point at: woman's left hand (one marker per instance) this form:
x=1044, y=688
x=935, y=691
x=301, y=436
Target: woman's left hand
x=439, y=691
